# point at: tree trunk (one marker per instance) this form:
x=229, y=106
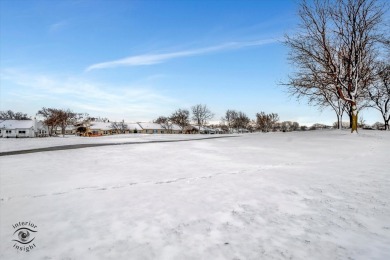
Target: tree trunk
x=339, y=122
x=354, y=119
x=350, y=117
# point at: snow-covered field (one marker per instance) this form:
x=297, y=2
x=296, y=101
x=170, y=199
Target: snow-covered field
x=302, y=195
x=16, y=144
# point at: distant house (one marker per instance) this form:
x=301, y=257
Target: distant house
x=41, y=130
x=152, y=128
x=22, y=128
x=69, y=130
x=240, y=131
x=99, y=129
x=319, y=127
x=210, y=130
x=190, y=129
x=176, y=129
x=173, y=129
x=206, y=130
x=219, y=130
x=134, y=128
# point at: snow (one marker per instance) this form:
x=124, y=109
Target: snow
x=147, y=126
x=14, y=144
x=301, y=195
x=101, y=126
x=175, y=127
x=16, y=124
x=133, y=126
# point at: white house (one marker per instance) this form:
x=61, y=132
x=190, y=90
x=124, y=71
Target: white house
x=176, y=129
x=41, y=130
x=100, y=128
x=69, y=130
x=134, y=128
x=17, y=128
x=152, y=128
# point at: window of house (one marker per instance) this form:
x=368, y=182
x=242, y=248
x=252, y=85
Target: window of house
x=154, y=131
x=22, y=132
x=8, y=131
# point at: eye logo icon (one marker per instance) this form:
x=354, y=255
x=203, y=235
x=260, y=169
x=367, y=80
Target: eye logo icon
x=23, y=235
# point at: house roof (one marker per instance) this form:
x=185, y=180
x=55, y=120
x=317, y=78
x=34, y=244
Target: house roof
x=16, y=124
x=100, y=126
x=68, y=127
x=176, y=127
x=133, y=126
x=152, y=126
x=172, y=127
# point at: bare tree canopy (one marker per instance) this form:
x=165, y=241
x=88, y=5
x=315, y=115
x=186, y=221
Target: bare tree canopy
x=242, y=120
x=119, y=127
x=265, y=122
x=379, y=92
x=54, y=118
x=335, y=50
x=165, y=122
x=181, y=117
x=234, y=119
x=201, y=114
x=230, y=118
x=9, y=114
x=161, y=120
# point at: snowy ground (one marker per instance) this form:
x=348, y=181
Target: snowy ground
x=303, y=195
x=16, y=144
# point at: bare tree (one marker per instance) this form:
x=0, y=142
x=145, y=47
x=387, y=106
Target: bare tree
x=265, y=122
x=242, y=121
x=119, y=127
x=362, y=122
x=54, y=118
x=50, y=119
x=201, y=115
x=378, y=126
x=379, y=92
x=295, y=126
x=9, y=114
x=165, y=122
x=230, y=119
x=82, y=123
x=336, y=48
x=318, y=93
x=285, y=126
x=67, y=117
x=181, y=117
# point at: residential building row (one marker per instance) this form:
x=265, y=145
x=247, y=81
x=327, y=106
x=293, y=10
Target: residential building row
x=35, y=128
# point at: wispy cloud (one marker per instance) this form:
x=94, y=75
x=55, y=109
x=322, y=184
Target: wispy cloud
x=55, y=27
x=149, y=59
x=139, y=102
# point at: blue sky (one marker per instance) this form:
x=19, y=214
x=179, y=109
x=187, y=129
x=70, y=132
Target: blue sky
x=137, y=60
